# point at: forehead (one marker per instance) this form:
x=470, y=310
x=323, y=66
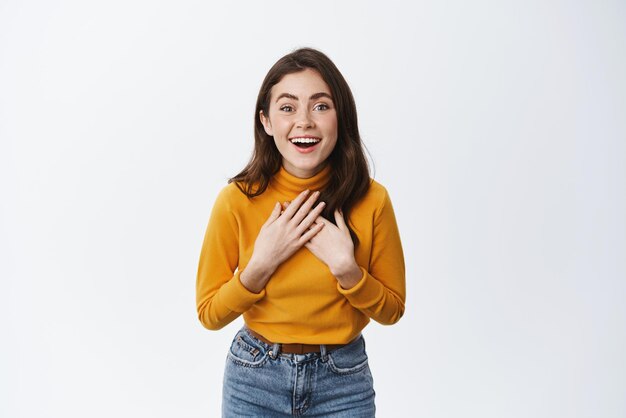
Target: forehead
x=302, y=83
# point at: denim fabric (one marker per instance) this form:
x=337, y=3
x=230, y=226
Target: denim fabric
x=261, y=381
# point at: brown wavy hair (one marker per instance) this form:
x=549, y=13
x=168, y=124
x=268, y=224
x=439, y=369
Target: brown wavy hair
x=350, y=176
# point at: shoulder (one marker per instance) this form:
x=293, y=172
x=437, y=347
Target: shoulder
x=232, y=191
x=378, y=207
x=376, y=196
x=377, y=190
x=231, y=197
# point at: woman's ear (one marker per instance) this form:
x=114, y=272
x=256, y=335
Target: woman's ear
x=266, y=123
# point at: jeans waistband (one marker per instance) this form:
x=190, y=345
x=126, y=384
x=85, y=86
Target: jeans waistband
x=293, y=348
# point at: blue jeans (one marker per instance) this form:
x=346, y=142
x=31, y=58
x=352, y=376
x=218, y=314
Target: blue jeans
x=261, y=381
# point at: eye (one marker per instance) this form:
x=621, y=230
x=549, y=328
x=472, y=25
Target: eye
x=286, y=108
x=321, y=106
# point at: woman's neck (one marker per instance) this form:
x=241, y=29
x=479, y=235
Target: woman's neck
x=290, y=184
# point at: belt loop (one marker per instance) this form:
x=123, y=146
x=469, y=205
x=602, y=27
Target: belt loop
x=323, y=353
x=275, y=351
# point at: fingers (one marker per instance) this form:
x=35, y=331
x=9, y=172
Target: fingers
x=311, y=218
x=295, y=204
x=274, y=215
x=311, y=233
x=341, y=223
x=304, y=209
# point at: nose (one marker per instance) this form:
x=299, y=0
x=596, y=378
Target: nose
x=304, y=120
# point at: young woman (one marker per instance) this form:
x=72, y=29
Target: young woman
x=305, y=245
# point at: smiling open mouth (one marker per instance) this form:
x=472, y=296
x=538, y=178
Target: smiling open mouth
x=305, y=142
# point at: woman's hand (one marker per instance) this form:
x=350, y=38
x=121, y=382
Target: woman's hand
x=280, y=237
x=334, y=247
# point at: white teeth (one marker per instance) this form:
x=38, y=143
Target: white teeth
x=305, y=140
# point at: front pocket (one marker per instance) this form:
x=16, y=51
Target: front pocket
x=346, y=370
x=247, y=347
x=246, y=354
x=349, y=359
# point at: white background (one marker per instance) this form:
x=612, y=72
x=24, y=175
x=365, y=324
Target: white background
x=498, y=128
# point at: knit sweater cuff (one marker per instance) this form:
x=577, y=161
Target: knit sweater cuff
x=365, y=293
x=237, y=297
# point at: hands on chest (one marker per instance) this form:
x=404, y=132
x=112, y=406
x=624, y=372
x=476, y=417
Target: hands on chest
x=292, y=225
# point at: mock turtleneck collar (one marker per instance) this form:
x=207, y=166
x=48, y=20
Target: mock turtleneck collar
x=288, y=184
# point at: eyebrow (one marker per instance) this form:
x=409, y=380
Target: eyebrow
x=313, y=97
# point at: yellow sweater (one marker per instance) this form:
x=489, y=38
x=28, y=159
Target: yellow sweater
x=302, y=302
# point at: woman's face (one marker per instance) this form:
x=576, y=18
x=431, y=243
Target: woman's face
x=303, y=121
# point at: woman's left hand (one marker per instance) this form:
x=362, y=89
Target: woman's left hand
x=334, y=247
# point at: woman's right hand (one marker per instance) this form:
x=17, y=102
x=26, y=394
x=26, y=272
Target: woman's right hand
x=280, y=237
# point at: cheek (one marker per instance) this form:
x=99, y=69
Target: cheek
x=330, y=146
x=331, y=126
x=280, y=144
x=281, y=127
x=333, y=131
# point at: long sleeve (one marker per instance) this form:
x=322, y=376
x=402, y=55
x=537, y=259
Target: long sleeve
x=381, y=292
x=220, y=295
